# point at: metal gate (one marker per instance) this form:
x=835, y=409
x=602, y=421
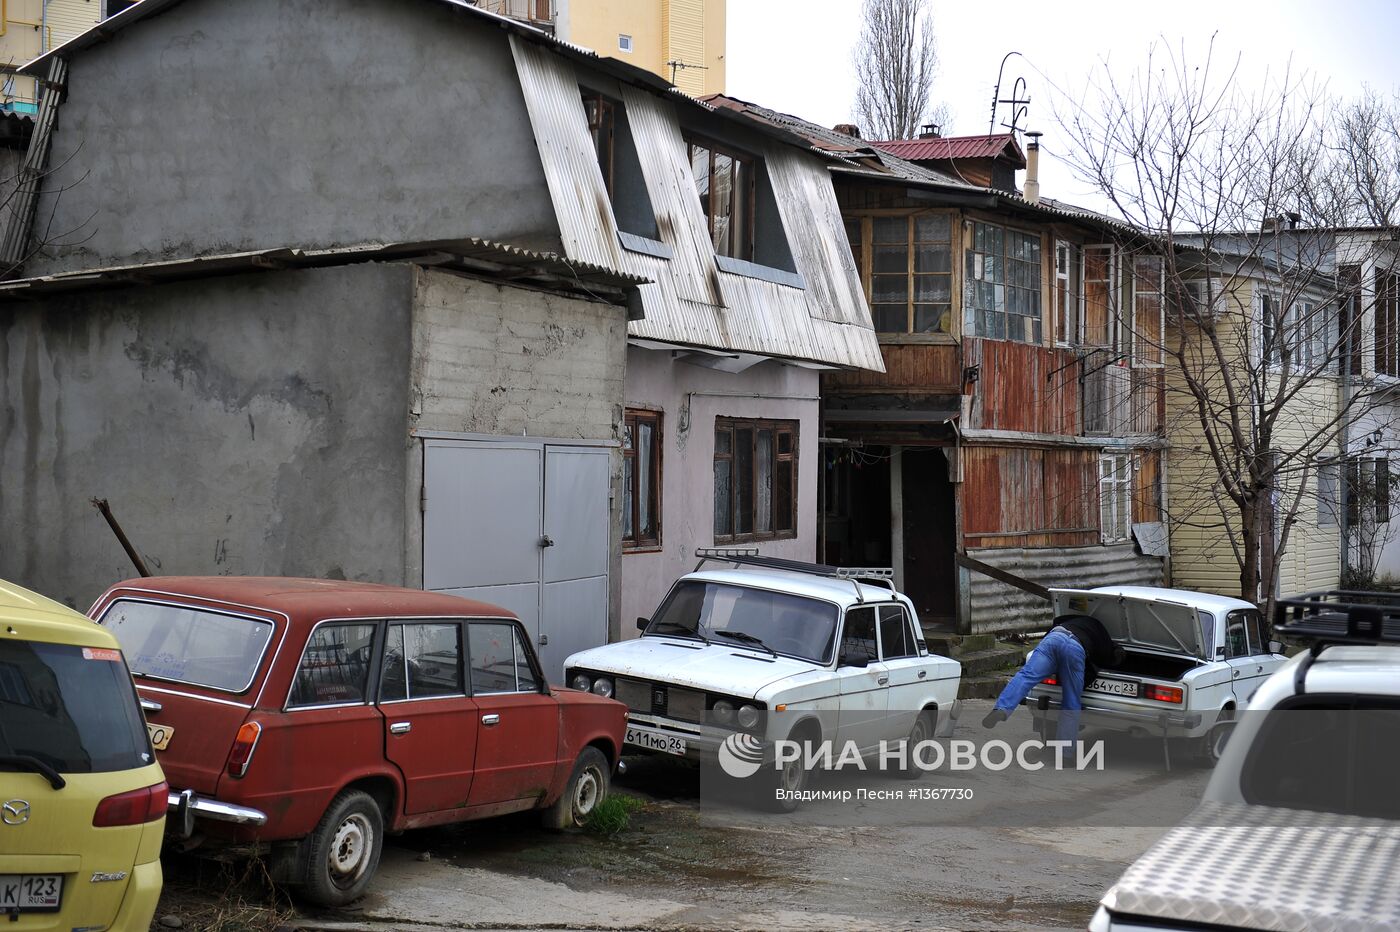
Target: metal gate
x=523, y=526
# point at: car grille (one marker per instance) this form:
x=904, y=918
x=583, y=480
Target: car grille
x=686, y=705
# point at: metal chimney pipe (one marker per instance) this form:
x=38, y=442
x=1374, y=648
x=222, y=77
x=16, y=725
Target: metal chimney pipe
x=1033, y=167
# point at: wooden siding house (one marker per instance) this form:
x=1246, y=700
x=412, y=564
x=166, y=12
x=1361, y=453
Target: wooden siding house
x=1018, y=419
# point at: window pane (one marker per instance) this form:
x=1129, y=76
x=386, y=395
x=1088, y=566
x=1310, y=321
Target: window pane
x=932, y=318
x=724, y=523
x=646, y=444
x=491, y=649
x=335, y=666
x=740, y=246
x=890, y=259
x=784, y=442
x=929, y=288
x=763, y=509
x=889, y=230
x=858, y=635
x=159, y=639
x=700, y=165
x=629, y=484
x=891, y=318
x=782, y=496
x=743, y=480
x=890, y=289
x=393, y=682
x=434, y=655
x=894, y=633
x=931, y=227
x=525, y=679
x=719, y=204
x=933, y=259
x=724, y=441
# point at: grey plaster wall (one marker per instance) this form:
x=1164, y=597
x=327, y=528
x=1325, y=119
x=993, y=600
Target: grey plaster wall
x=253, y=424
x=219, y=127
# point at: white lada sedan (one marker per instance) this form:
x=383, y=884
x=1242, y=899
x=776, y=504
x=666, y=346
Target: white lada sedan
x=775, y=649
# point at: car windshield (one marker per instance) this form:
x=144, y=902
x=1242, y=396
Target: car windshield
x=73, y=708
x=787, y=624
x=189, y=645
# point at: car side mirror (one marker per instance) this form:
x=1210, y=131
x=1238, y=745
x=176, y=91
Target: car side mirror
x=642, y=623
x=853, y=658
x=1276, y=647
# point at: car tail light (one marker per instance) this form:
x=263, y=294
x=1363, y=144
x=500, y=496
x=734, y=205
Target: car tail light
x=1161, y=693
x=244, y=745
x=1050, y=681
x=136, y=807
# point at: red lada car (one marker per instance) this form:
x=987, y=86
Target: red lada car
x=311, y=716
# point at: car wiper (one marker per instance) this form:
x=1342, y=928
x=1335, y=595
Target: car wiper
x=681, y=630
x=34, y=765
x=746, y=638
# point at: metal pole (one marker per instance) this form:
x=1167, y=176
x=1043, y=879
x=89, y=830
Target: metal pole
x=101, y=505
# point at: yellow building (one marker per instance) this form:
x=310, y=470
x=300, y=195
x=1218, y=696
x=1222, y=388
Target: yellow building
x=1204, y=523
x=29, y=28
x=680, y=40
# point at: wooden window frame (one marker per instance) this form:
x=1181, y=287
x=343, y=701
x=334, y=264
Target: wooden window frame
x=864, y=252
x=1387, y=323
x=972, y=310
x=750, y=164
x=1116, y=470
x=1140, y=347
x=778, y=427
x=632, y=541
x=595, y=105
x=1073, y=278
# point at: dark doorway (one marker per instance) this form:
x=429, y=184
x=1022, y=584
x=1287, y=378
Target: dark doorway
x=856, y=512
x=930, y=531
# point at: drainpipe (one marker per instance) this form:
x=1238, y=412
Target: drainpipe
x=1033, y=167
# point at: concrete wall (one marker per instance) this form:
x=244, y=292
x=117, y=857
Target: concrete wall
x=270, y=123
x=243, y=425
x=690, y=398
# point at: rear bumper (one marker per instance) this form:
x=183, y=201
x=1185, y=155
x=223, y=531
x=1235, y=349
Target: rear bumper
x=1167, y=723
x=186, y=806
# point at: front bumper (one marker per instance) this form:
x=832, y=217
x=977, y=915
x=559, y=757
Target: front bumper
x=187, y=805
x=701, y=741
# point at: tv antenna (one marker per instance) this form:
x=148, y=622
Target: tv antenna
x=1019, y=99
x=675, y=63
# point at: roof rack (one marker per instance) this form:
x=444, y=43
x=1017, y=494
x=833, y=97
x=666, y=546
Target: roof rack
x=1337, y=616
x=749, y=556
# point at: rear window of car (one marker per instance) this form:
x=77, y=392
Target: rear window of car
x=189, y=645
x=1327, y=753
x=73, y=708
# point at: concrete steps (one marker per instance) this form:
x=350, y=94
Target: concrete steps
x=987, y=663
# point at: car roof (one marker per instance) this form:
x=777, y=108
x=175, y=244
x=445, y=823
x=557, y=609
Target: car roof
x=1201, y=600
x=810, y=585
x=308, y=600
x=31, y=616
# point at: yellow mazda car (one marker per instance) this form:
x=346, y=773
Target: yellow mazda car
x=82, y=799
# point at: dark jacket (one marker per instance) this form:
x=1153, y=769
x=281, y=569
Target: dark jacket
x=1099, y=649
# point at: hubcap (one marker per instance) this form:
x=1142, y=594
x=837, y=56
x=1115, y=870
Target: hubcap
x=349, y=852
x=586, y=795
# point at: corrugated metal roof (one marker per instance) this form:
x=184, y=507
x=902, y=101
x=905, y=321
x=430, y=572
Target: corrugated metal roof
x=943, y=148
x=692, y=301
x=472, y=254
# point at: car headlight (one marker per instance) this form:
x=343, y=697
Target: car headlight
x=582, y=682
x=603, y=686
x=724, y=711
x=748, y=716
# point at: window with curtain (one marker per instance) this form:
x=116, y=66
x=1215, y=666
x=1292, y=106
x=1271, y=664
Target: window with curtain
x=641, y=480
x=724, y=179
x=755, y=479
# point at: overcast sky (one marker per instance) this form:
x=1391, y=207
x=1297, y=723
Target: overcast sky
x=795, y=55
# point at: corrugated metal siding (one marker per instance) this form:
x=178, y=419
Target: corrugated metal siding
x=692, y=301
x=1030, y=496
x=69, y=18
x=914, y=367
x=1023, y=387
x=998, y=607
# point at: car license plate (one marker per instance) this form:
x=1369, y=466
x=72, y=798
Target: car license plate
x=160, y=735
x=1112, y=687
x=30, y=891
x=653, y=741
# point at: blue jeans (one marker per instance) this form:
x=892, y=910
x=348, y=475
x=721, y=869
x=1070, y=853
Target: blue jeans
x=1060, y=655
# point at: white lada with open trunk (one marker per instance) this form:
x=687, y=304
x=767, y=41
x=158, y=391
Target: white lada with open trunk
x=775, y=649
x=1190, y=659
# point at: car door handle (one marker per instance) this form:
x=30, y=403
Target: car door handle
x=923, y=673
x=1236, y=673
x=400, y=728
x=150, y=705
x=489, y=720
x=883, y=680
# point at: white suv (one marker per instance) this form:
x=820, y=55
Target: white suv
x=1300, y=824
x=838, y=652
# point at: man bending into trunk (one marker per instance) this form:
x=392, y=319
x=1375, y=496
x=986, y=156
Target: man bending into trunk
x=1072, y=652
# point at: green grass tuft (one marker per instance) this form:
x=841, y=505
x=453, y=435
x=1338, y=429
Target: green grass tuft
x=611, y=816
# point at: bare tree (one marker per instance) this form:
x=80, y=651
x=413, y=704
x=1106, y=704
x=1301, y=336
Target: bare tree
x=896, y=62
x=1247, y=201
